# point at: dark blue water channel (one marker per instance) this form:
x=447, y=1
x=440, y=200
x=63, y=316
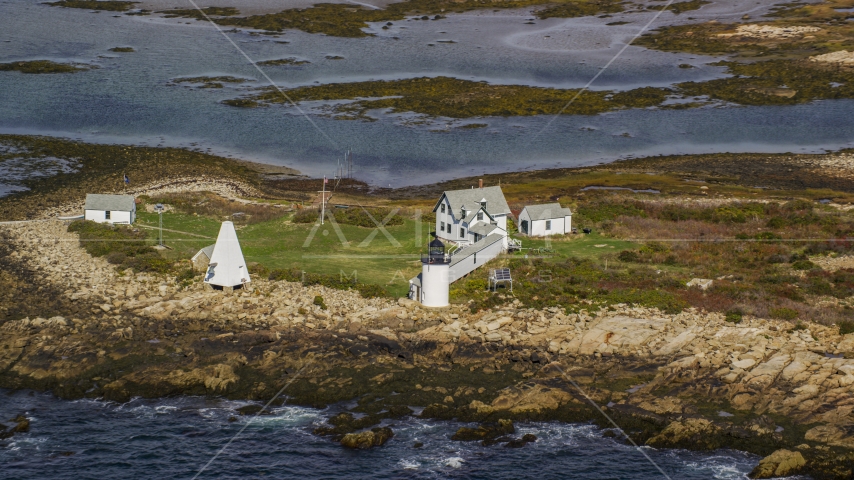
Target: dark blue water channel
x=174, y=438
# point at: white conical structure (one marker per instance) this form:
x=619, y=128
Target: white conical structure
x=227, y=267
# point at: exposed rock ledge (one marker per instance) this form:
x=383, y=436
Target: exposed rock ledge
x=690, y=380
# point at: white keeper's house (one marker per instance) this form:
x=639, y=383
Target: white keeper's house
x=110, y=208
x=465, y=217
x=542, y=220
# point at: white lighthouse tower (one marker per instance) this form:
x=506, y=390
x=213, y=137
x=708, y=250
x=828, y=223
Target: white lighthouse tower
x=435, y=275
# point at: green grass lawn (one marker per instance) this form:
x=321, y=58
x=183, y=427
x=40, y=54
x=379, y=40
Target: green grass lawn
x=282, y=244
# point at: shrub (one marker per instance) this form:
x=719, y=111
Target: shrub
x=116, y=258
x=803, y=265
x=318, y=300
x=121, y=245
x=256, y=268
x=845, y=327
x=629, y=256
x=185, y=277
x=799, y=327
x=777, y=222
x=784, y=313
x=734, y=316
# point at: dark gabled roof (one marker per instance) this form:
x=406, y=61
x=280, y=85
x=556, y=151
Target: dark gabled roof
x=496, y=204
x=118, y=203
x=547, y=211
x=475, y=247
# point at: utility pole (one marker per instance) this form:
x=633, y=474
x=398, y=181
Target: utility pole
x=323, y=201
x=159, y=209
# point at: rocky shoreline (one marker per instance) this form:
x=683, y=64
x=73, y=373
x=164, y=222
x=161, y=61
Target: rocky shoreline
x=690, y=380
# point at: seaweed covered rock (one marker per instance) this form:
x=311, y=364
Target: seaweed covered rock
x=781, y=463
x=374, y=437
x=22, y=426
x=521, y=442
x=485, y=432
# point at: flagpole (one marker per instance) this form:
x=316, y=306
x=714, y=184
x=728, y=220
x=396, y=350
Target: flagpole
x=323, y=201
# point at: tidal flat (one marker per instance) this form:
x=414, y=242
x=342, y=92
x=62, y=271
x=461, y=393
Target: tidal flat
x=140, y=107
x=776, y=82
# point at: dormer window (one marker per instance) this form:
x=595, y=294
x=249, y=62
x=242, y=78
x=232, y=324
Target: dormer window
x=443, y=208
x=480, y=216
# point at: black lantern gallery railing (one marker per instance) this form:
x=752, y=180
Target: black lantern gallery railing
x=436, y=252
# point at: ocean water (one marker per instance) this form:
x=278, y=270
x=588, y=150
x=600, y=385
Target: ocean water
x=177, y=437
x=129, y=99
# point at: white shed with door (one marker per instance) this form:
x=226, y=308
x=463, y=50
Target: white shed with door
x=542, y=220
x=110, y=208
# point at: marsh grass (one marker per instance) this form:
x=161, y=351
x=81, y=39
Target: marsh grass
x=456, y=98
x=222, y=79
x=44, y=66
x=347, y=20
x=283, y=61
x=107, y=5
x=681, y=7
x=193, y=13
x=760, y=83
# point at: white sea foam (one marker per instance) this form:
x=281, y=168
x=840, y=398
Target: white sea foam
x=408, y=464
x=454, y=462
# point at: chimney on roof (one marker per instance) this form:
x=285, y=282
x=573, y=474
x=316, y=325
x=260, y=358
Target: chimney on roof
x=480, y=183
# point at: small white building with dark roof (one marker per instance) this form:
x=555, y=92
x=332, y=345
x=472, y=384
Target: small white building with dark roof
x=202, y=258
x=547, y=219
x=110, y=208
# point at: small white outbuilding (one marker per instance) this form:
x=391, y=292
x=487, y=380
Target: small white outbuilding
x=110, y=208
x=547, y=219
x=227, y=268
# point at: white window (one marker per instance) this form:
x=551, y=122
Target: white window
x=442, y=228
x=480, y=215
x=107, y=215
x=462, y=232
x=443, y=208
x=548, y=224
